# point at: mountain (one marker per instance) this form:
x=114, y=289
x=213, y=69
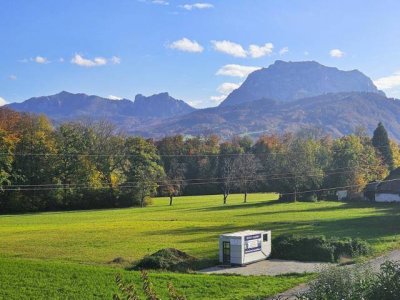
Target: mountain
x=160, y=106
x=336, y=114
x=67, y=106
x=285, y=97
x=290, y=81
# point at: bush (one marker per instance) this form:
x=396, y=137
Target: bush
x=311, y=248
x=356, y=283
x=350, y=248
x=340, y=283
x=167, y=259
x=317, y=248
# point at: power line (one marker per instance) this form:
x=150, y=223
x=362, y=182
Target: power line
x=273, y=175
x=163, y=155
x=135, y=184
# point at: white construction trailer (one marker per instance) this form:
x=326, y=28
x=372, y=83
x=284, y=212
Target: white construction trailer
x=244, y=247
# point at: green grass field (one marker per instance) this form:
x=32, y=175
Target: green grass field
x=65, y=242
x=31, y=279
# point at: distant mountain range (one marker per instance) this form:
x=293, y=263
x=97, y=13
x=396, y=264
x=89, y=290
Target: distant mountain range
x=67, y=106
x=285, y=97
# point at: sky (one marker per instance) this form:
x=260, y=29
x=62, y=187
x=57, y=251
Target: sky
x=197, y=51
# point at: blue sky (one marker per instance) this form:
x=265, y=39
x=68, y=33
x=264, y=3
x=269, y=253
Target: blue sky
x=197, y=50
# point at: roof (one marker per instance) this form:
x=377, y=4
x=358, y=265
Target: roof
x=391, y=184
x=372, y=186
x=245, y=233
x=392, y=187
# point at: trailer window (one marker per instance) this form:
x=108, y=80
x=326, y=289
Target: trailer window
x=265, y=238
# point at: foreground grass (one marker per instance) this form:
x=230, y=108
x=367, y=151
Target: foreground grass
x=32, y=279
x=192, y=224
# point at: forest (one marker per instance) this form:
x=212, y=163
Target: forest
x=86, y=165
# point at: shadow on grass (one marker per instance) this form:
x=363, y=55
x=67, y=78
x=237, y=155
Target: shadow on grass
x=370, y=228
x=228, y=206
x=382, y=207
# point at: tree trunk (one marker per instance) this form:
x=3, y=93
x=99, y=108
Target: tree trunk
x=171, y=197
x=245, y=197
x=225, y=197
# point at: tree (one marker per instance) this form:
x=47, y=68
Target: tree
x=35, y=160
x=174, y=181
x=357, y=164
x=142, y=168
x=381, y=142
x=227, y=177
x=245, y=168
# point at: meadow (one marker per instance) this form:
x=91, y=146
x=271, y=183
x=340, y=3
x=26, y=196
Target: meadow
x=59, y=247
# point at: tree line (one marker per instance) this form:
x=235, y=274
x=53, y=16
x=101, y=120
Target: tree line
x=84, y=165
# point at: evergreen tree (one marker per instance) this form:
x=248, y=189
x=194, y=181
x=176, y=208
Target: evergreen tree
x=381, y=142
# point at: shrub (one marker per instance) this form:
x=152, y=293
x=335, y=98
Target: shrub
x=310, y=248
x=386, y=285
x=340, y=283
x=356, y=283
x=317, y=248
x=350, y=248
x=167, y=259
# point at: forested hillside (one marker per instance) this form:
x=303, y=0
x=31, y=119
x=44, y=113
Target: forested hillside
x=92, y=165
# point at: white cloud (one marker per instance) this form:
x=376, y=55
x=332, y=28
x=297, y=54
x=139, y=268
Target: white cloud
x=61, y=59
x=388, y=82
x=40, y=60
x=237, y=50
x=306, y=53
x=84, y=62
x=187, y=46
x=224, y=89
x=160, y=2
x=237, y=70
x=284, y=50
x=256, y=51
x=3, y=101
x=116, y=60
x=197, y=6
x=112, y=97
x=218, y=99
x=12, y=77
x=227, y=87
x=337, y=53
x=230, y=48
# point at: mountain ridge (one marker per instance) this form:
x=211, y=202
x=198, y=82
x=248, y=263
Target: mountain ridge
x=68, y=106
x=290, y=81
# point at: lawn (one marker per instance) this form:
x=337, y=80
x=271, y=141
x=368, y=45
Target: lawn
x=68, y=254
x=192, y=224
x=32, y=279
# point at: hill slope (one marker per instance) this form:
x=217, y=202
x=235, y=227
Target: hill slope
x=335, y=114
x=289, y=81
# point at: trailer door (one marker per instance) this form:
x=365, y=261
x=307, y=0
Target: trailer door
x=226, y=252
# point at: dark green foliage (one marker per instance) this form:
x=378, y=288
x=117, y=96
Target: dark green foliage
x=309, y=248
x=349, y=248
x=167, y=259
x=386, y=285
x=317, y=248
x=380, y=141
x=356, y=283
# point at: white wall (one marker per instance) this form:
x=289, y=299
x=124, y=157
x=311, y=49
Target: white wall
x=383, y=197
